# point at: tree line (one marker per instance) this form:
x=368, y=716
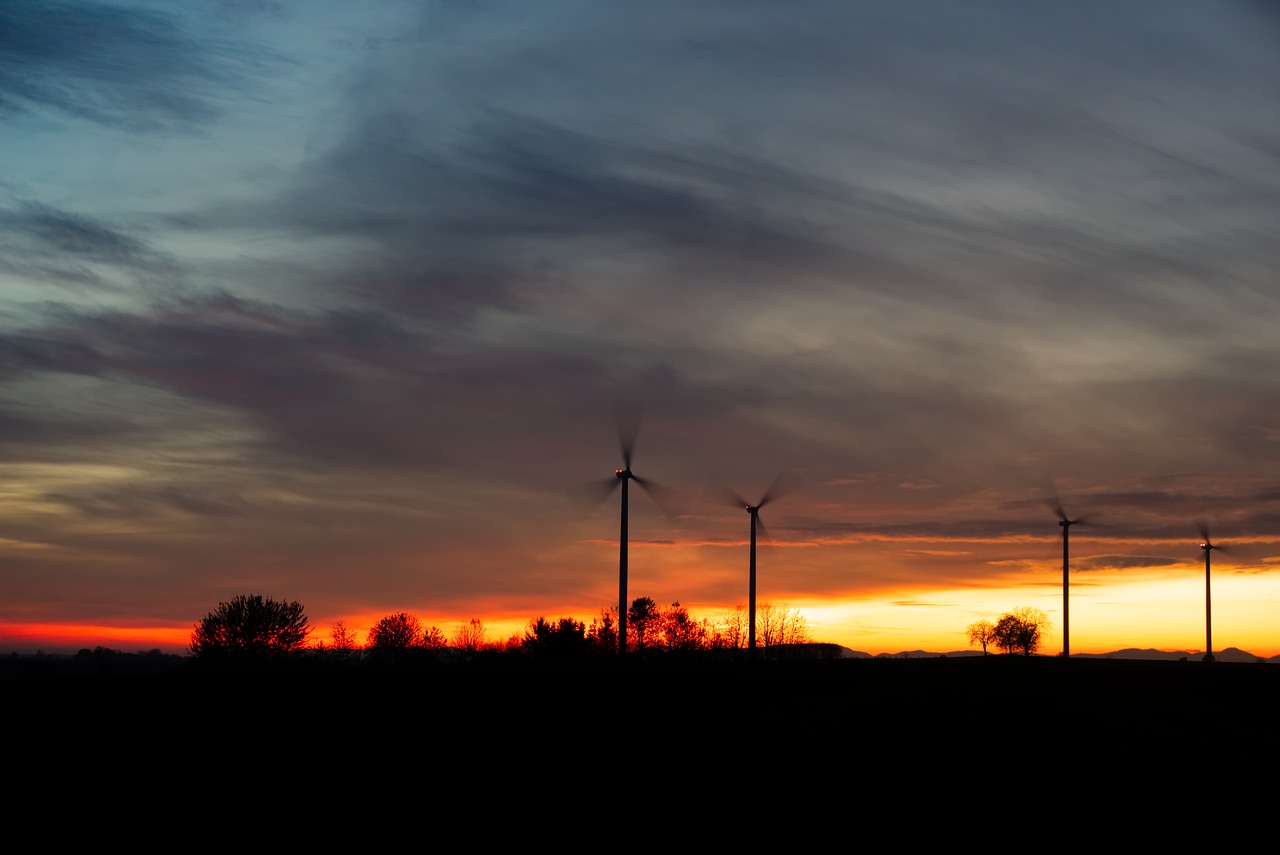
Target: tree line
x=1018, y=631
x=253, y=627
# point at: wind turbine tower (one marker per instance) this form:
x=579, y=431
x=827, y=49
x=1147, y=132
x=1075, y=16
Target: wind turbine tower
x=1208, y=546
x=775, y=491
x=1066, y=523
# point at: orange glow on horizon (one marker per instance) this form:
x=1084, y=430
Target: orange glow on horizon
x=62, y=637
x=1155, y=614
x=1158, y=608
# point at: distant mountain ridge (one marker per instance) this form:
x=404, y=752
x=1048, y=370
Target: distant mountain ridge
x=1231, y=654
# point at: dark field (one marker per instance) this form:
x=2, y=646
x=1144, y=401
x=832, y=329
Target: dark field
x=712, y=755
x=577, y=710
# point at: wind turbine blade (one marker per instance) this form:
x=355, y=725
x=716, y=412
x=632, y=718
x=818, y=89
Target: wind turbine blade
x=628, y=420
x=1203, y=528
x=595, y=492
x=784, y=484
x=1056, y=506
x=762, y=531
x=667, y=499
x=717, y=492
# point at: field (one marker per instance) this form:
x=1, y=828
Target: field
x=512, y=708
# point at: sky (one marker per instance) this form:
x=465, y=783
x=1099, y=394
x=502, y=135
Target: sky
x=339, y=303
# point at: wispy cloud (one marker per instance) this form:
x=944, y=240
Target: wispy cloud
x=115, y=64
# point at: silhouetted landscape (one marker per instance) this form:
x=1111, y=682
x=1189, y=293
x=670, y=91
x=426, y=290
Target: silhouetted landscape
x=957, y=704
x=947, y=321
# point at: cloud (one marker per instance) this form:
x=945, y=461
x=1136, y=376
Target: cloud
x=1123, y=562
x=58, y=232
x=41, y=245
x=112, y=64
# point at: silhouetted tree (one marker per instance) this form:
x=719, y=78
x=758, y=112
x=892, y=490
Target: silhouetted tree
x=729, y=631
x=565, y=638
x=342, y=646
x=433, y=639
x=400, y=637
x=513, y=644
x=681, y=633
x=342, y=638
x=642, y=617
x=399, y=631
x=602, y=637
x=981, y=632
x=778, y=625
x=469, y=636
x=1020, y=631
x=250, y=627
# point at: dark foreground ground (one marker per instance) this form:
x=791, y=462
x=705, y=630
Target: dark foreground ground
x=575, y=709
x=676, y=754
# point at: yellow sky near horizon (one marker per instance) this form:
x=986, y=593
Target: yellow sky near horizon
x=1109, y=611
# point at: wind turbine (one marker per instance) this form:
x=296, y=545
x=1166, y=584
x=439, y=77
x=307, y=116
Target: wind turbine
x=628, y=426
x=1208, y=546
x=1066, y=523
x=776, y=490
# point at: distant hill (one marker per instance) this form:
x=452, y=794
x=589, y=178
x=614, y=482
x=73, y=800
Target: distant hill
x=925, y=654
x=1231, y=654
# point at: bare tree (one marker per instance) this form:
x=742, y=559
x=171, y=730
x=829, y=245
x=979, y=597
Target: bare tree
x=469, y=636
x=681, y=633
x=433, y=639
x=342, y=638
x=1020, y=631
x=731, y=630
x=342, y=647
x=981, y=632
x=777, y=625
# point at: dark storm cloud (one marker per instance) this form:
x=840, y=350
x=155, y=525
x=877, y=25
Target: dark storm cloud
x=112, y=64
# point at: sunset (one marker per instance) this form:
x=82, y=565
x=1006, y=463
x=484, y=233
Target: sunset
x=363, y=305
